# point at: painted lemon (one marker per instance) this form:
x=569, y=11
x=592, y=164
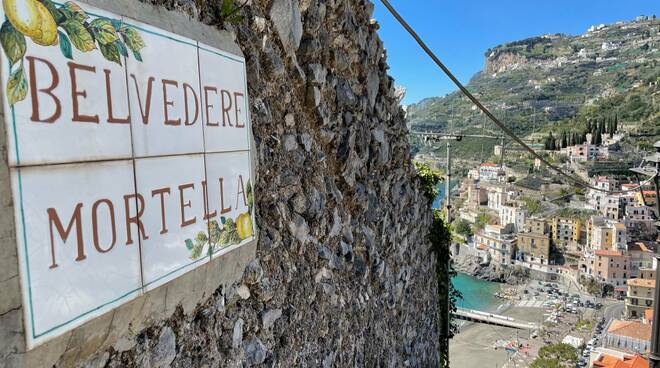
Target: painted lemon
x=32, y=19
x=24, y=15
x=244, y=226
x=48, y=28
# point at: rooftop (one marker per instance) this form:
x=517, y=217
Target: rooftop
x=637, y=246
x=632, y=329
x=608, y=361
x=608, y=253
x=641, y=282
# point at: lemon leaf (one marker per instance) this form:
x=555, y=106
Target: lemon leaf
x=80, y=37
x=189, y=244
x=17, y=86
x=137, y=55
x=111, y=52
x=65, y=45
x=133, y=39
x=74, y=11
x=13, y=42
x=122, y=48
x=56, y=13
x=103, y=31
x=117, y=24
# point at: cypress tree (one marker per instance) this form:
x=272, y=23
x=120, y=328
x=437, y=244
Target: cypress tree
x=598, y=138
x=616, y=123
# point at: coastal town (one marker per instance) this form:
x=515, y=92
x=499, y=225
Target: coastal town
x=581, y=260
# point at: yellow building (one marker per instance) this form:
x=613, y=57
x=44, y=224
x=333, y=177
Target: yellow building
x=649, y=197
x=566, y=230
x=536, y=226
x=533, y=244
x=534, y=247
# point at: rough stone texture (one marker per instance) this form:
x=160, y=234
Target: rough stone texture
x=343, y=275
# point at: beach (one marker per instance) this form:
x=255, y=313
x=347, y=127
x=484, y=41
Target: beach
x=474, y=346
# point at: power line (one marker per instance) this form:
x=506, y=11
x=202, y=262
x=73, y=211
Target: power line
x=504, y=128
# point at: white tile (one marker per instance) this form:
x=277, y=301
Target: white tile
x=230, y=195
x=170, y=71
x=172, y=188
x=67, y=282
x=225, y=100
x=63, y=131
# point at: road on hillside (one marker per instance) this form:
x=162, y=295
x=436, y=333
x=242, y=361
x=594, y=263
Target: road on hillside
x=613, y=311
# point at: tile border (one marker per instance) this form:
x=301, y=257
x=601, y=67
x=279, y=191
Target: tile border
x=141, y=291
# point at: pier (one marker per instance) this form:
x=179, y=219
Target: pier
x=494, y=319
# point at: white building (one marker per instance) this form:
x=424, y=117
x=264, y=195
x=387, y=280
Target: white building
x=639, y=222
x=514, y=215
x=489, y=172
x=597, y=199
x=497, y=197
x=499, y=243
x=607, y=234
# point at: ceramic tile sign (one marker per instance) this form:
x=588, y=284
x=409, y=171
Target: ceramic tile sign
x=65, y=83
x=174, y=200
x=165, y=99
x=79, y=254
x=129, y=148
x=224, y=100
x=230, y=199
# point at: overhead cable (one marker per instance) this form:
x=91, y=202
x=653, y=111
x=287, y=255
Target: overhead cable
x=575, y=180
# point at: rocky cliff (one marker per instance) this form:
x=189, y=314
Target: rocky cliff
x=343, y=276
x=537, y=83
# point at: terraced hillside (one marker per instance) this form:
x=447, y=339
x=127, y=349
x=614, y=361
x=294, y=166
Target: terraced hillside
x=543, y=83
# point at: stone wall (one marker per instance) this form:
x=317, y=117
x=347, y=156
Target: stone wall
x=343, y=275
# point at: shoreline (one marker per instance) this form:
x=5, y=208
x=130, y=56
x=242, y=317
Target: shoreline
x=475, y=344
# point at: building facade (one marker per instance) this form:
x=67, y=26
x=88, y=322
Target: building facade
x=639, y=297
x=611, y=267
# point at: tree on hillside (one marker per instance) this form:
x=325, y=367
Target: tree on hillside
x=463, y=228
x=564, y=140
x=555, y=356
x=601, y=126
x=616, y=123
x=550, y=142
x=598, y=138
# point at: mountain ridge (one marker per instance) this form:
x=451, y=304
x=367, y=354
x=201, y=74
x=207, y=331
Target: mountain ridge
x=539, y=82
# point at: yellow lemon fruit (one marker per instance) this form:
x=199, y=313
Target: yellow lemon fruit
x=24, y=15
x=47, y=27
x=244, y=226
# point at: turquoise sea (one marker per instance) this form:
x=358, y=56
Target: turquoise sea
x=477, y=294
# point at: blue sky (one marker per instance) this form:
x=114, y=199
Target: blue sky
x=460, y=31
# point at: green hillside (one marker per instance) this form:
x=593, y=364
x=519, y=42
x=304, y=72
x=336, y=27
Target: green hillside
x=556, y=82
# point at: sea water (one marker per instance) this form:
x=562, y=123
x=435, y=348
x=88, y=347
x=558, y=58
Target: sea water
x=477, y=294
